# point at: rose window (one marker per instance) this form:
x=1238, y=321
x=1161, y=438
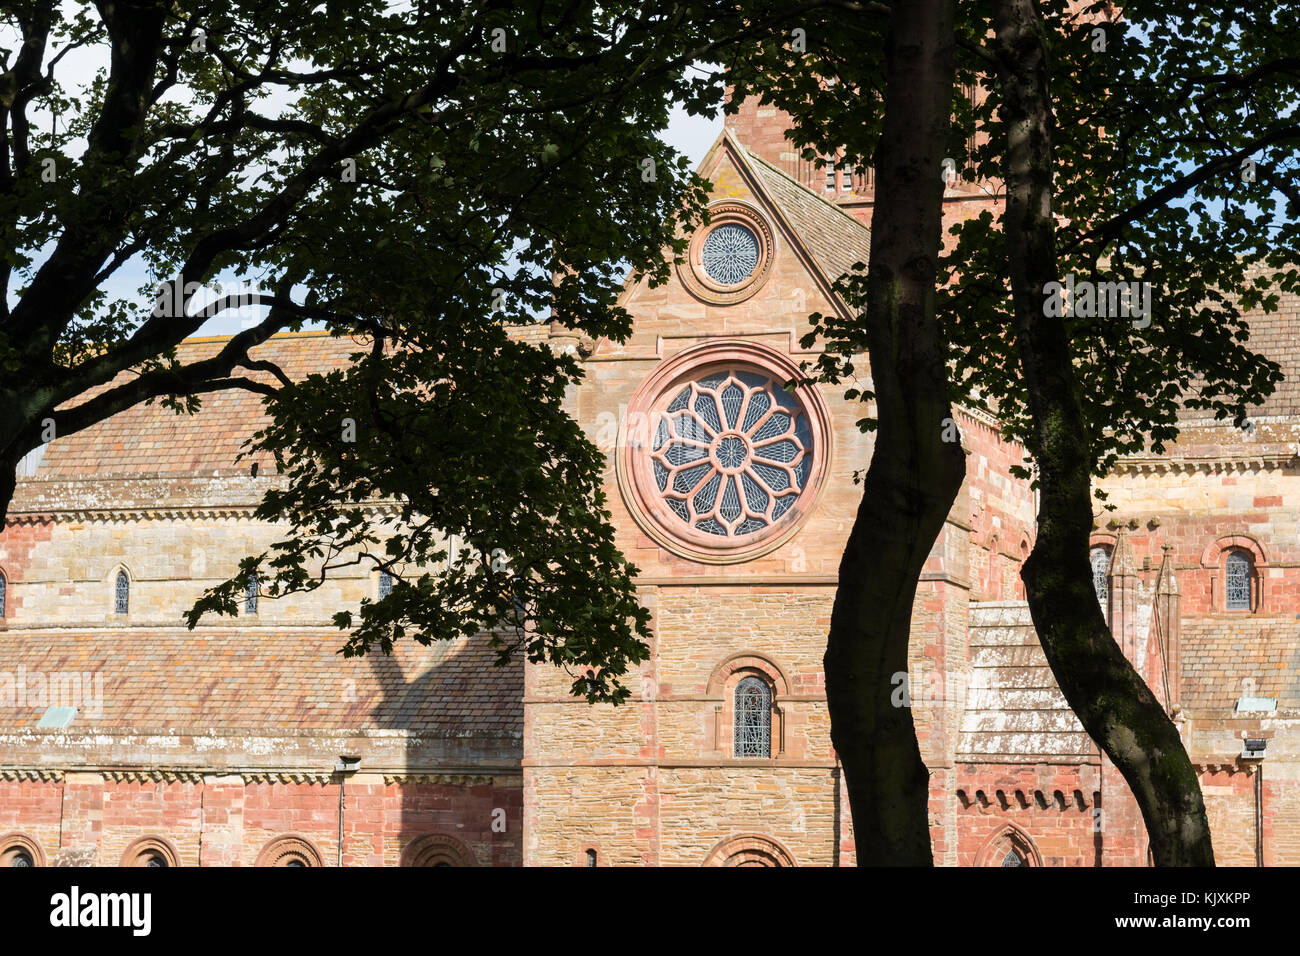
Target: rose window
x=732, y=453
x=730, y=254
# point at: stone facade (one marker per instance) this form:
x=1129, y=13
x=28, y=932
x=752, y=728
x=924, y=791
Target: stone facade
x=218, y=746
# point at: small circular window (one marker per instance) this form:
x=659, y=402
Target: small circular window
x=730, y=254
x=731, y=258
x=723, y=461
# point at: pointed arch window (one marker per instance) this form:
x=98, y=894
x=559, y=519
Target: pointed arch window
x=753, y=723
x=1013, y=859
x=1099, y=557
x=122, y=593
x=250, y=593
x=4, y=593
x=1238, y=573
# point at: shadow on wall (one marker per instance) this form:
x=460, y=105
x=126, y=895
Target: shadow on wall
x=459, y=801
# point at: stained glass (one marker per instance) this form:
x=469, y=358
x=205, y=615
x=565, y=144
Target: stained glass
x=753, y=736
x=1100, y=562
x=732, y=453
x=122, y=593
x=1238, y=569
x=730, y=254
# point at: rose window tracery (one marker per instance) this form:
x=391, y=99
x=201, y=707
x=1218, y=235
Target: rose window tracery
x=732, y=453
x=730, y=254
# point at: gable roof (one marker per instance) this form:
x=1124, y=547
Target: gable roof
x=834, y=238
x=155, y=441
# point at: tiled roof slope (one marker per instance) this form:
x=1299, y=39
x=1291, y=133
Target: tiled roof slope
x=833, y=237
x=1014, y=707
x=1276, y=336
x=1220, y=651
x=280, y=679
x=153, y=440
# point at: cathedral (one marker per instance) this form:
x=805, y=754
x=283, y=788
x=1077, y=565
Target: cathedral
x=127, y=739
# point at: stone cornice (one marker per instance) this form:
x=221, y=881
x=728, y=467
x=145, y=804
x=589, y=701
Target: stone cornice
x=1219, y=460
x=127, y=515
x=169, y=775
x=441, y=779
x=30, y=774
x=1021, y=798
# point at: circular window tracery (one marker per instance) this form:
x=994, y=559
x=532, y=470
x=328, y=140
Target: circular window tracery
x=729, y=461
x=732, y=453
x=730, y=259
x=730, y=254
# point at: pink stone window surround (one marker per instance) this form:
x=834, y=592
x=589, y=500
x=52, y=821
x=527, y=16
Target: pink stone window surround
x=720, y=462
x=736, y=231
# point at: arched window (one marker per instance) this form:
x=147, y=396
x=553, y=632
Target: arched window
x=151, y=851
x=289, y=851
x=122, y=593
x=437, y=849
x=753, y=724
x=3, y=593
x=1100, y=559
x=385, y=584
x=1237, y=570
x=591, y=858
x=250, y=593
x=17, y=849
x=1010, y=846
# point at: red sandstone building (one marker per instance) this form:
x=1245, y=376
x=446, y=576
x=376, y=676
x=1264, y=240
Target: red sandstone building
x=127, y=739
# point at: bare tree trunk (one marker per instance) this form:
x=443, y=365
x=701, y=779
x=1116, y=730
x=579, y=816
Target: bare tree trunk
x=914, y=475
x=1112, y=700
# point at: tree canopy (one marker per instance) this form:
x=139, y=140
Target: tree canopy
x=417, y=178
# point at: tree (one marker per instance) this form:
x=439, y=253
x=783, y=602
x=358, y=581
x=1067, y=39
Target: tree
x=416, y=179
x=914, y=475
x=1093, y=383
x=1130, y=148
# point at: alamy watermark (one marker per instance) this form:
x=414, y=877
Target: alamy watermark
x=1099, y=300
x=36, y=690
x=242, y=300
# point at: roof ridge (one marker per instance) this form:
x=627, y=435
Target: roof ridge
x=812, y=192
x=284, y=334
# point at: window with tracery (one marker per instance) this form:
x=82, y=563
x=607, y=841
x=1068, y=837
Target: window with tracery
x=250, y=593
x=1100, y=559
x=732, y=453
x=730, y=254
x=1012, y=859
x=385, y=584
x=1238, y=573
x=122, y=593
x=753, y=720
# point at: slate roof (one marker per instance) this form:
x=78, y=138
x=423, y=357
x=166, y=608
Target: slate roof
x=1276, y=336
x=1220, y=651
x=1014, y=708
x=153, y=440
x=249, y=678
x=834, y=238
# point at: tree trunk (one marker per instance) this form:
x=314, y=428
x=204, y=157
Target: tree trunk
x=1114, y=703
x=914, y=475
